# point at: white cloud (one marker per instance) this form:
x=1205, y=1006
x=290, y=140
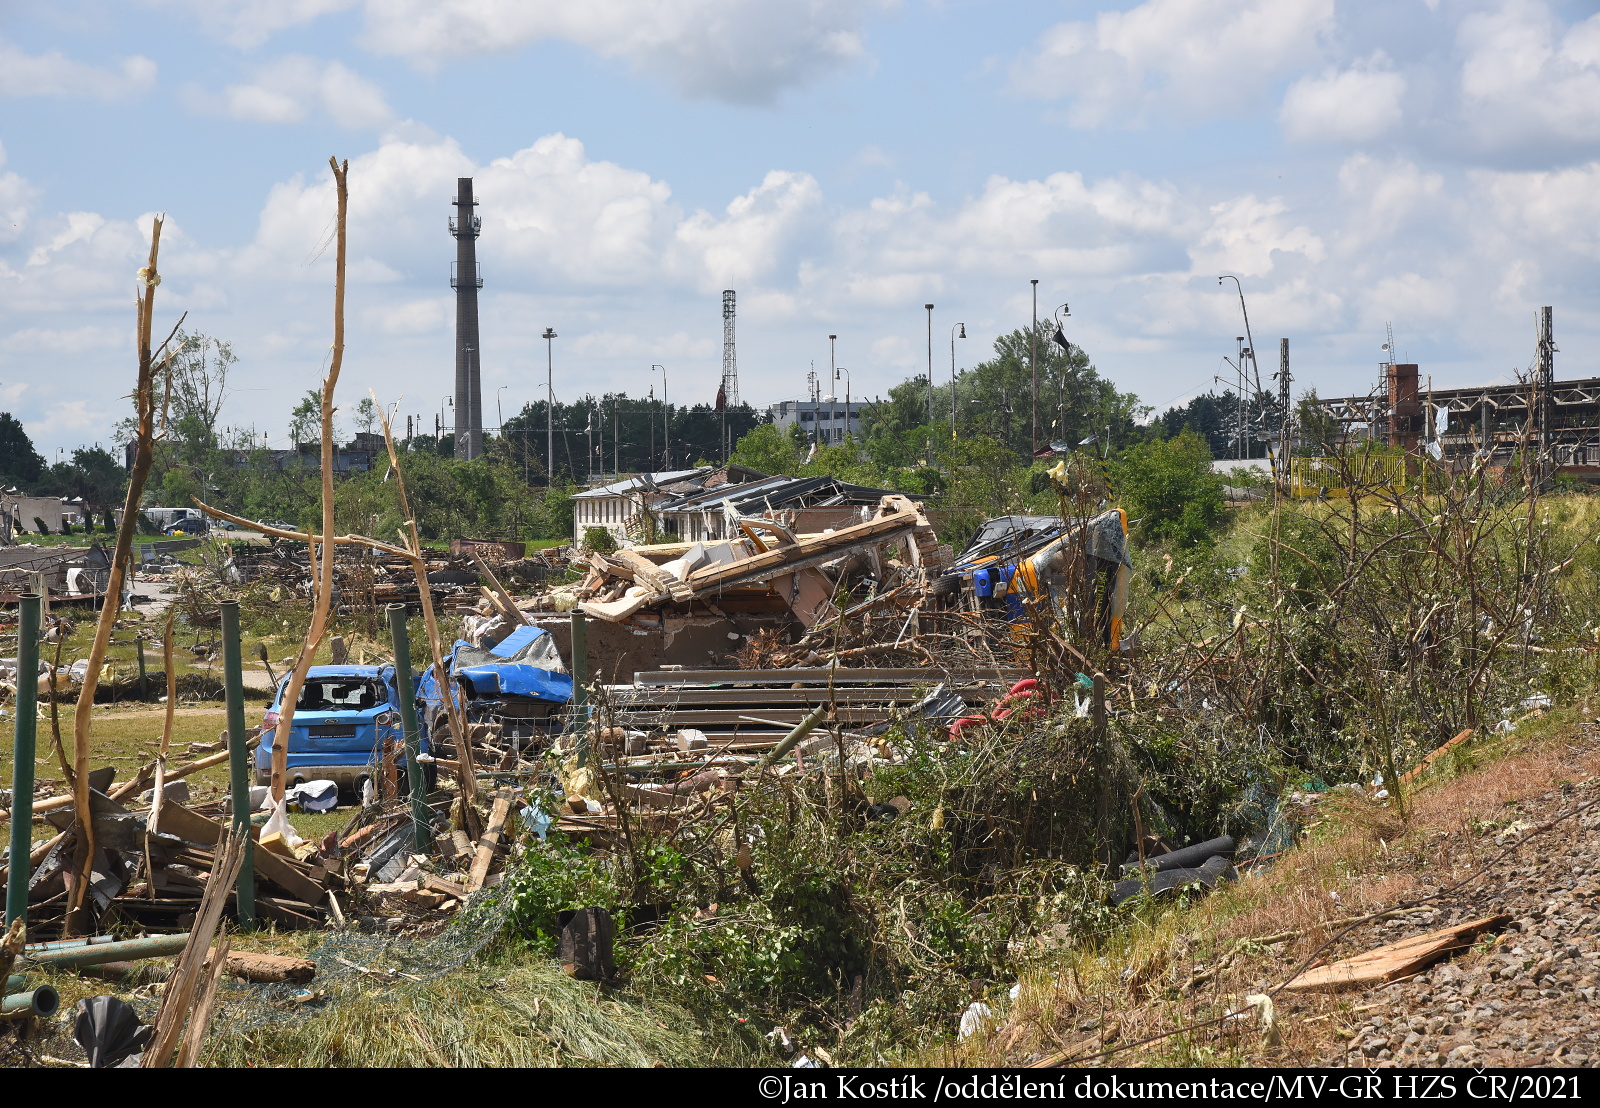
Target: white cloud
x=1245, y=235
x=77, y=340
x=745, y=51
x=248, y=23
x=1386, y=198
x=1524, y=82
x=1549, y=213
x=291, y=88
x=1358, y=104
x=55, y=74
x=1194, y=56
x=757, y=233
x=16, y=197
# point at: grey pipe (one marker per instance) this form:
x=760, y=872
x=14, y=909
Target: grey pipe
x=792, y=739
x=156, y=946
x=42, y=1001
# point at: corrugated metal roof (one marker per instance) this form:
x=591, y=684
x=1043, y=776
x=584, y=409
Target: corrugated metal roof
x=633, y=484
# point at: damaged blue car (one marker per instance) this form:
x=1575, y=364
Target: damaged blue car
x=513, y=693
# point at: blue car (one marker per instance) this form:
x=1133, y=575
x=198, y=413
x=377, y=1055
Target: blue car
x=345, y=717
x=518, y=689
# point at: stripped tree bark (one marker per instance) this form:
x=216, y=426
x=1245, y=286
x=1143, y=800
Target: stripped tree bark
x=144, y=450
x=324, y=579
x=466, y=763
x=161, y=752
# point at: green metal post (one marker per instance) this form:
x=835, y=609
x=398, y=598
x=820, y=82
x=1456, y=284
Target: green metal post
x=238, y=759
x=408, y=724
x=144, y=680
x=580, y=681
x=20, y=871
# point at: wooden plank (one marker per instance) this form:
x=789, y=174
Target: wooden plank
x=490, y=840
x=177, y=820
x=809, y=552
x=1422, y=766
x=1394, y=960
x=666, y=699
x=820, y=675
x=254, y=965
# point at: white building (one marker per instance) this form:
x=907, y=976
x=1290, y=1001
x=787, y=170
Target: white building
x=612, y=506
x=825, y=421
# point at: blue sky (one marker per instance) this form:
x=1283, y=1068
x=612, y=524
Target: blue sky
x=838, y=162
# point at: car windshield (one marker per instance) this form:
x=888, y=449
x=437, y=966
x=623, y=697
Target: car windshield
x=339, y=694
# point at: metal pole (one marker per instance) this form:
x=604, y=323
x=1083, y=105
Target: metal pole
x=144, y=681
x=408, y=724
x=1033, y=339
x=833, y=379
x=549, y=406
x=238, y=758
x=98, y=954
x=20, y=871
x=580, y=680
x=930, y=364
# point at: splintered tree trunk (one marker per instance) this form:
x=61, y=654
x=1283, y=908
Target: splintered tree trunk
x=324, y=593
x=144, y=450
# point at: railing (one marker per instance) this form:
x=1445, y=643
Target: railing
x=1358, y=474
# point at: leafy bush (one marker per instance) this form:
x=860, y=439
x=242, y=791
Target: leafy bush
x=1169, y=491
x=599, y=539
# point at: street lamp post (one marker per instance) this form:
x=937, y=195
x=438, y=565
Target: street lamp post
x=846, y=373
x=1033, y=340
x=953, y=337
x=549, y=406
x=833, y=375
x=447, y=398
x=666, y=417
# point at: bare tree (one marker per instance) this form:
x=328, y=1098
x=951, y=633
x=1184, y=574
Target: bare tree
x=198, y=384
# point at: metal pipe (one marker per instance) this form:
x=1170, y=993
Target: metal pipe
x=408, y=723
x=792, y=739
x=42, y=1001
x=580, y=681
x=68, y=944
x=19, y=872
x=15, y=984
x=238, y=758
x=97, y=954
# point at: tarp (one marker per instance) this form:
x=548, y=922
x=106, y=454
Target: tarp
x=513, y=679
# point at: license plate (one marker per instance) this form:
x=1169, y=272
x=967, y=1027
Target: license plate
x=332, y=731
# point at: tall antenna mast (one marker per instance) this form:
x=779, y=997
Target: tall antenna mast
x=1388, y=343
x=729, y=394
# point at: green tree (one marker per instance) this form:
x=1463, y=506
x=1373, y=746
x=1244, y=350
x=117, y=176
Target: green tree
x=768, y=450
x=198, y=377
x=366, y=415
x=1168, y=489
x=305, y=420
x=20, y=463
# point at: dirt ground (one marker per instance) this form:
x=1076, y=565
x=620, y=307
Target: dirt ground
x=1527, y=994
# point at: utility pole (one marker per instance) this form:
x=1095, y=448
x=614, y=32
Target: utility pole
x=1238, y=428
x=1033, y=339
x=1547, y=374
x=549, y=406
x=833, y=376
x=930, y=380
x=1285, y=415
x=953, y=337
x=616, y=440
x=666, y=425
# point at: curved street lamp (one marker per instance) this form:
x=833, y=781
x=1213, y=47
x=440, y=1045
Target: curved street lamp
x=666, y=427
x=953, y=337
